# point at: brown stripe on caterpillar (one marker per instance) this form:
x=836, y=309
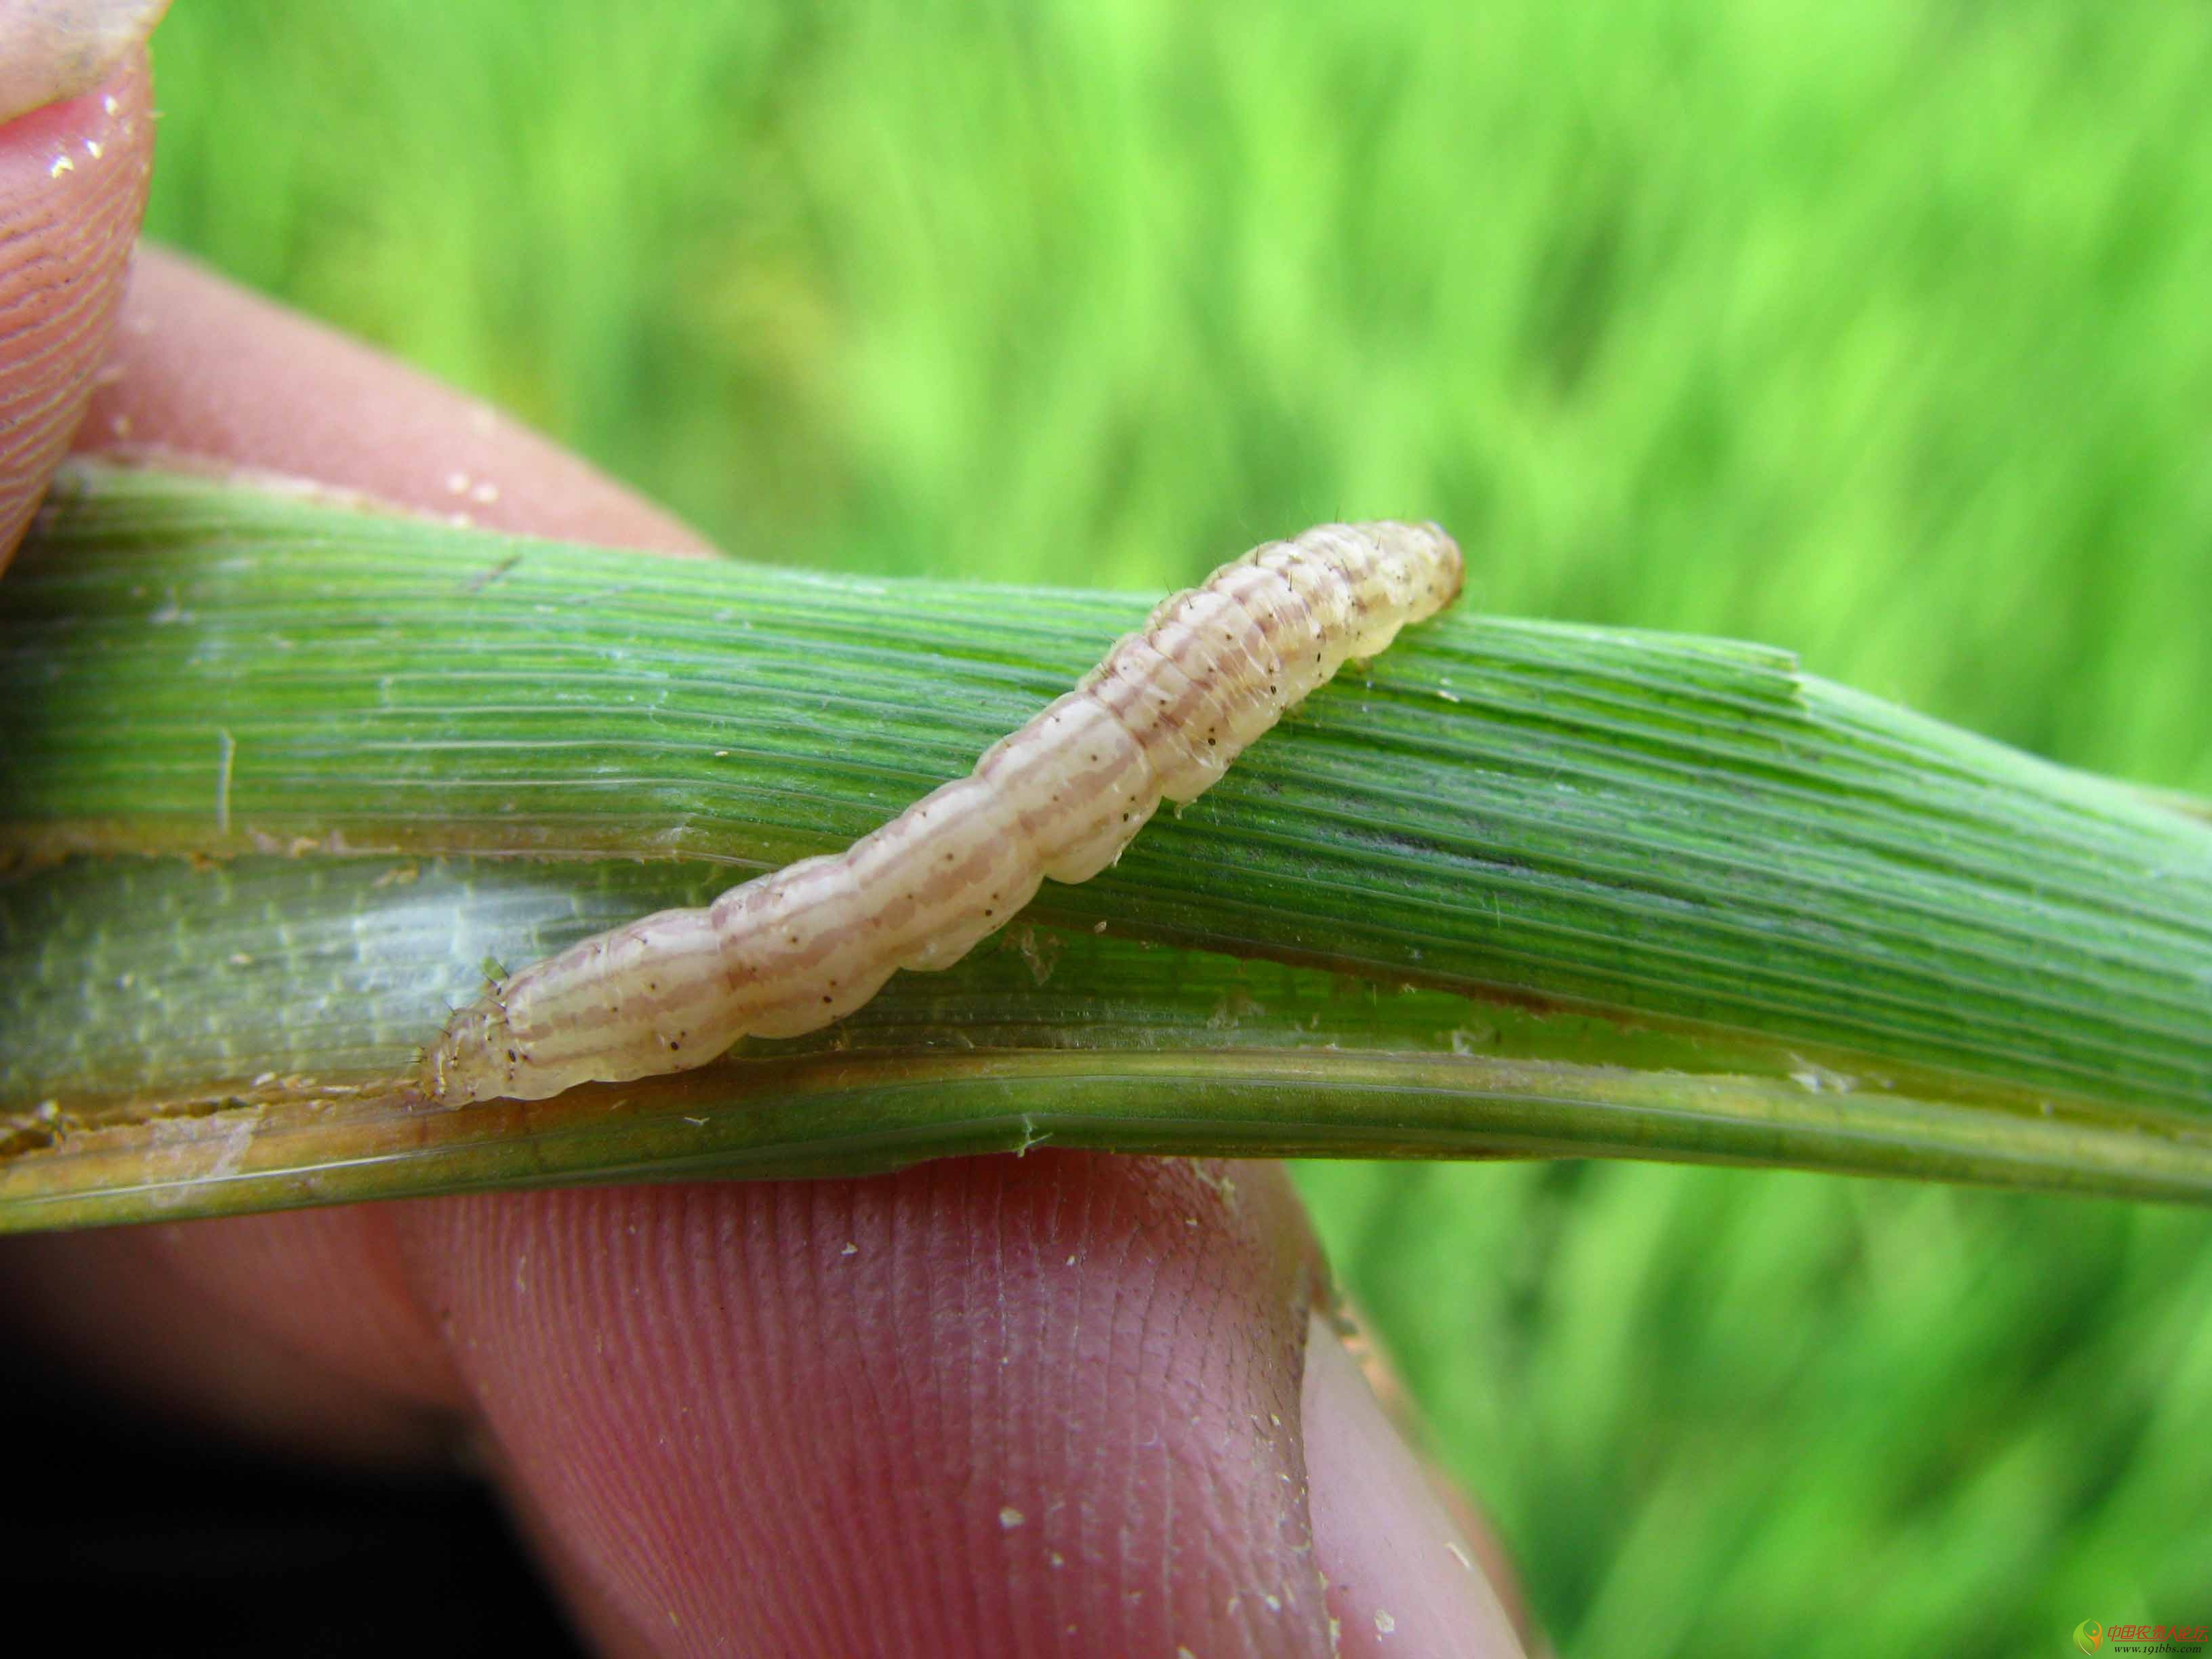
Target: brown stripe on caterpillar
x=1164, y=714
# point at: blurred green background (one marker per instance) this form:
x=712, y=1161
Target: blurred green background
x=1882, y=331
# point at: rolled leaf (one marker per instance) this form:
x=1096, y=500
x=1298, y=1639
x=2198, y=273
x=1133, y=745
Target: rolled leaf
x=283, y=777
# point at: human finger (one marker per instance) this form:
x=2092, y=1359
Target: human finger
x=205, y=371
x=73, y=176
x=475, y=1343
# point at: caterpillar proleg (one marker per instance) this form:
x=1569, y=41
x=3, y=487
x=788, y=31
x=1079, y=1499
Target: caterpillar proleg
x=793, y=950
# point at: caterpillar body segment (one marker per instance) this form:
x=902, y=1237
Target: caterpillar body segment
x=1161, y=718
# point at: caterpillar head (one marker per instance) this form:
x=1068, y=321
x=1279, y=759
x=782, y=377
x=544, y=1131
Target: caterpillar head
x=474, y=1057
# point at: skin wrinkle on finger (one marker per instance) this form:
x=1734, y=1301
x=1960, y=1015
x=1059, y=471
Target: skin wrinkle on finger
x=73, y=178
x=749, y=1430
x=203, y=368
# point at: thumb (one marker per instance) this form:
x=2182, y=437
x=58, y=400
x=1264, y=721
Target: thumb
x=73, y=176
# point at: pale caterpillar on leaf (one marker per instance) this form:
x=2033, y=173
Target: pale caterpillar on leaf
x=795, y=949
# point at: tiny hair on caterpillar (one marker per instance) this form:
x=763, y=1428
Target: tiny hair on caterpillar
x=795, y=949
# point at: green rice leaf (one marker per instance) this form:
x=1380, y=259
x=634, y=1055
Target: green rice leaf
x=281, y=776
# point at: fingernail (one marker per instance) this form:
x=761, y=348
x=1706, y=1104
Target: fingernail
x=1403, y=1579
x=51, y=49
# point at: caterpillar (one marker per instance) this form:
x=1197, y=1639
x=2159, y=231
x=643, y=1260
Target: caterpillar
x=795, y=949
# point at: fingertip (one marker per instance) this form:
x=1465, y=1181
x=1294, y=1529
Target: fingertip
x=210, y=374
x=1403, y=1577
x=1044, y=1404
x=73, y=178
x=54, y=49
